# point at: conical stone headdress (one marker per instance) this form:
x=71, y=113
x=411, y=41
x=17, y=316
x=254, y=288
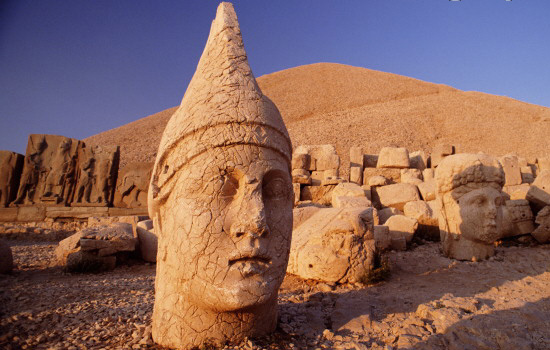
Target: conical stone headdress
x=223, y=106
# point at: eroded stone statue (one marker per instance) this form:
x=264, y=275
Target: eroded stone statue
x=11, y=165
x=96, y=173
x=132, y=185
x=49, y=170
x=469, y=191
x=221, y=200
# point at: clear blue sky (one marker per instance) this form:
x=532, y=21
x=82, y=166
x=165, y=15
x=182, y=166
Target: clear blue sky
x=77, y=68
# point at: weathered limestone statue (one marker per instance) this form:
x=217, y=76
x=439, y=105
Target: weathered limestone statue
x=469, y=191
x=60, y=178
x=221, y=201
x=32, y=169
x=132, y=185
x=96, y=173
x=11, y=165
x=48, y=171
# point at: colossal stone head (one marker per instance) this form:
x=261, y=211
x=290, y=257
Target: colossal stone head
x=469, y=190
x=221, y=200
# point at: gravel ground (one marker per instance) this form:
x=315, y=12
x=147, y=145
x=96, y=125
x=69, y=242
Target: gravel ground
x=429, y=302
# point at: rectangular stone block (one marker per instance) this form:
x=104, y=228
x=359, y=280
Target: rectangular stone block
x=317, y=178
x=393, y=157
x=11, y=166
x=517, y=191
x=328, y=162
x=527, y=175
x=127, y=211
x=296, y=189
x=427, y=190
x=8, y=214
x=370, y=160
x=31, y=214
x=511, y=168
x=396, y=195
x=75, y=212
x=418, y=160
x=300, y=161
x=356, y=157
x=439, y=152
x=392, y=174
x=539, y=192
x=428, y=174
x=356, y=175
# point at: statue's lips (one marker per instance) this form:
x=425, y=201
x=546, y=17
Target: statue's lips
x=250, y=264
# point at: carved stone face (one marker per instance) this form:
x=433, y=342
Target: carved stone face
x=227, y=225
x=477, y=214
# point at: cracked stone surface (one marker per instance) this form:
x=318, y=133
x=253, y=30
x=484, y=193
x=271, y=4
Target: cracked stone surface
x=221, y=198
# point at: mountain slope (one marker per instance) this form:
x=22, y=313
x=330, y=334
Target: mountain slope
x=351, y=106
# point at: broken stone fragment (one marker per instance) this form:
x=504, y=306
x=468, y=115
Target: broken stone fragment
x=517, y=218
x=418, y=160
x=428, y=225
x=382, y=237
x=95, y=248
x=439, y=152
x=411, y=176
x=512, y=173
x=401, y=226
x=542, y=232
x=334, y=245
x=427, y=189
x=539, y=192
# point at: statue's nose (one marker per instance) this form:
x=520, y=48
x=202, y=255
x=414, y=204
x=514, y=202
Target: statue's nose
x=250, y=219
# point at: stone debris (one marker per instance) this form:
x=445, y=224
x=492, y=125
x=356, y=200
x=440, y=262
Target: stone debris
x=542, y=232
x=334, y=245
x=428, y=302
x=393, y=157
x=95, y=248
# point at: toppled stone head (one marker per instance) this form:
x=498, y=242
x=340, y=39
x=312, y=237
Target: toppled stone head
x=469, y=189
x=221, y=200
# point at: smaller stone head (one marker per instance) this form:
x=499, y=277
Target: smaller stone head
x=469, y=191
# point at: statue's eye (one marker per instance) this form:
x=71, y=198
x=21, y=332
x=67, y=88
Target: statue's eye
x=230, y=185
x=275, y=188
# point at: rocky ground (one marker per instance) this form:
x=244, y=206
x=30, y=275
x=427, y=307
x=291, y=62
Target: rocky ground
x=428, y=302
